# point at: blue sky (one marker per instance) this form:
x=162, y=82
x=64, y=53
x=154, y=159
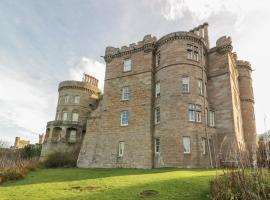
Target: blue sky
x=47, y=41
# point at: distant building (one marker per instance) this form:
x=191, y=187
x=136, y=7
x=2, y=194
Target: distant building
x=20, y=143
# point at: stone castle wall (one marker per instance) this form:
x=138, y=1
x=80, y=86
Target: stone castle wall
x=77, y=97
x=227, y=92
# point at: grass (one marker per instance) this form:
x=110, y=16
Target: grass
x=108, y=184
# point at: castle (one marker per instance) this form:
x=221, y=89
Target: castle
x=171, y=102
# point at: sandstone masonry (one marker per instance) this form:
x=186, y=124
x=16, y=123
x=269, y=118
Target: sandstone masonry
x=171, y=102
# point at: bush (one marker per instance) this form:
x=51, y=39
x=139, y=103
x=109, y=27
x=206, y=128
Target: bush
x=31, y=151
x=61, y=159
x=14, y=166
x=241, y=184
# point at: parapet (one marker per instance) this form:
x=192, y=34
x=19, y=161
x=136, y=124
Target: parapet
x=90, y=79
x=224, y=44
x=147, y=44
x=89, y=83
x=180, y=35
x=202, y=31
x=243, y=63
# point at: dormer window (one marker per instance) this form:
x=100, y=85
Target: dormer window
x=127, y=65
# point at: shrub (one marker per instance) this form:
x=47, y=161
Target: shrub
x=241, y=184
x=31, y=151
x=14, y=166
x=61, y=159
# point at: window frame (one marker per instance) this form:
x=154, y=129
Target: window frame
x=158, y=58
x=127, y=65
x=124, y=116
x=77, y=99
x=185, y=86
x=203, y=146
x=63, y=118
x=200, y=86
x=212, y=118
x=66, y=99
x=157, y=89
x=157, y=145
x=198, y=109
x=73, y=117
x=121, y=149
x=189, y=144
x=157, y=115
x=125, y=93
x=191, y=112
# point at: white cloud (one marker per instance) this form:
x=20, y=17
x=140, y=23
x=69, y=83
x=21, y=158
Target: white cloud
x=202, y=10
x=88, y=66
x=24, y=103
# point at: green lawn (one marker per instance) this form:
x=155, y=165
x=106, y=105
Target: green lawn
x=113, y=184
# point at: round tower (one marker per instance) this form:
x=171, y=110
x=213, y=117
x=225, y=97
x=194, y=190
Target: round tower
x=247, y=106
x=180, y=125
x=76, y=101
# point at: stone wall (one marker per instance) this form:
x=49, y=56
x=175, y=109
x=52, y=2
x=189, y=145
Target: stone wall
x=57, y=137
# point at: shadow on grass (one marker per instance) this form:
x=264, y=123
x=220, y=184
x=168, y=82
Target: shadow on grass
x=77, y=174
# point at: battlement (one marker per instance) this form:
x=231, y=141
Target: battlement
x=88, y=82
x=202, y=31
x=243, y=63
x=90, y=79
x=147, y=39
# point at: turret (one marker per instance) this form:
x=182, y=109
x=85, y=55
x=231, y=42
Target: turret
x=247, y=106
x=202, y=31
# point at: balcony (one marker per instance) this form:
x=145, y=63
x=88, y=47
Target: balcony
x=65, y=123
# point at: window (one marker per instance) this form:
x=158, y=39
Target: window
x=124, y=118
x=125, y=93
x=65, y=116
x=121, y=149
x=186, y=145
x=66, y=99
x=75, y=117
x=200, y=87
x=157, y=115
x=212, y=118
x=157, y=89
x=196, y=54
x=203, y=146
x=191, y=113
x=72, y=135
x=77, y=99
x=157, y=59
x=194, y=113
x=157, y=145
x=189, y=51
x=185, y=84
x=192, y=52
x=127, y=65
x=198, y=113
